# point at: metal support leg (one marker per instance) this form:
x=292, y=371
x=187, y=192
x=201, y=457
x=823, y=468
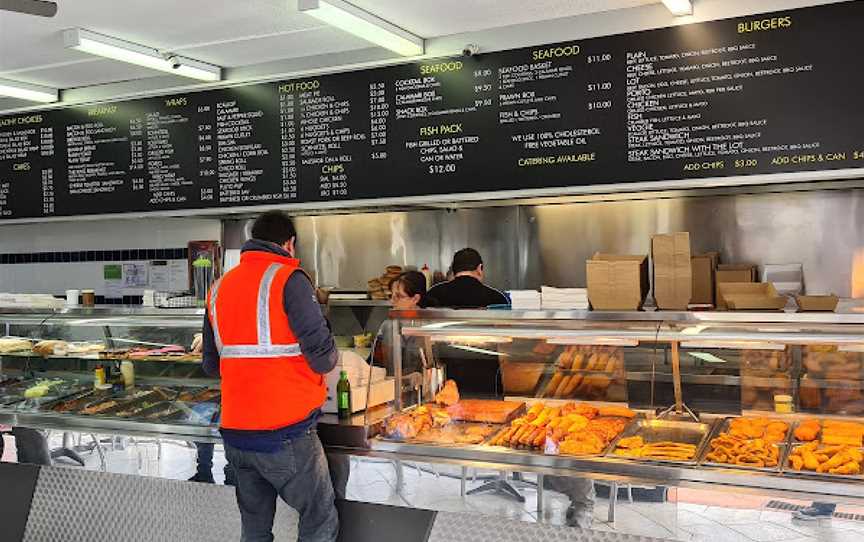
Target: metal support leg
x=464, y=482
x=66, y=450
x=103, y=464
x=613, y=500
x=400, y=477
x=539, y=496
x=500, y=486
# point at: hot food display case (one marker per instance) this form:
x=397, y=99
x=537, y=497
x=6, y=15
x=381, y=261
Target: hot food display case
x=768, y=402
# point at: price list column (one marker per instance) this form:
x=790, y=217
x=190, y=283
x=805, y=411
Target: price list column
x=136, y=154
x=27, y=153
x=331, y=138
x=379, y=115
x=288, y=138
x=46, y=154
x=205, y=141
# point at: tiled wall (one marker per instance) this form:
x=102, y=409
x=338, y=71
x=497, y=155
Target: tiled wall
x=54, y=257
x=61, y=271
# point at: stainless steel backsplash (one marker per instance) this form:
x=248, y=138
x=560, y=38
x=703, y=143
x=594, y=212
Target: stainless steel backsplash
x=528, y=246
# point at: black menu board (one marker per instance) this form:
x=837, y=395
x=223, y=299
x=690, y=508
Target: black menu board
x=772, y=93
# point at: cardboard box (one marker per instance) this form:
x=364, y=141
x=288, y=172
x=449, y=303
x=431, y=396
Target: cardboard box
x=617, y=282
x=751, y=296
x=673, y=278
x=704, y=269
x=727, y=273
x=807, y=303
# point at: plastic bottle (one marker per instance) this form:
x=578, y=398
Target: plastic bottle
x=127, y=369
x=428, y=274
x=98, y=376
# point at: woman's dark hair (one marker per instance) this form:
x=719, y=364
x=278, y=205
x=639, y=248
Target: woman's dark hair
x=274, y=226
x=413, y=283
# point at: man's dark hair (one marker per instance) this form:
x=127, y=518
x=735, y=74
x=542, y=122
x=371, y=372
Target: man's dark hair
x=274, y=226
x=466, y=259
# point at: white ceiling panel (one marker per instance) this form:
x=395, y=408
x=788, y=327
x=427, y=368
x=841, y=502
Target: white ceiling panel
x=166, y=24
x=313, y=42
x=85, y=73
x=432, y=18
x=238, y=33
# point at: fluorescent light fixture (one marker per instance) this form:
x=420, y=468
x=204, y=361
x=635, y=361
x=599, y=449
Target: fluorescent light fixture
x=472, y=339
x=26, y=91
x=364, y=25
x=140, y=55
x=707, y=357
x=733, y=345
x=479, y=350
x=679, y=7
x=598, y=341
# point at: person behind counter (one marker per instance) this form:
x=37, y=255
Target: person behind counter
x=272, y=355
x=466, y=290
x=408, y=291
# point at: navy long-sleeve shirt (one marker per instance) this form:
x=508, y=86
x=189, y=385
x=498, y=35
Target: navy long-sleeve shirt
x=316, y=342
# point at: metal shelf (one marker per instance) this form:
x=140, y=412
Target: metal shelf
x=358, y=303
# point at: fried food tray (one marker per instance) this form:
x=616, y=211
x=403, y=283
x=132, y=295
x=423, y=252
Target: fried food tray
x=724, y=426
x=655, y=430
x=788, y=470
x=458, y=427
x=608, y=449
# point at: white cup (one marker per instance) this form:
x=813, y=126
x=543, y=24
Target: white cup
x=72, y=297
x=149, y=298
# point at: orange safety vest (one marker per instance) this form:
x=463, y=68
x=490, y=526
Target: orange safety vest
x=267, y=383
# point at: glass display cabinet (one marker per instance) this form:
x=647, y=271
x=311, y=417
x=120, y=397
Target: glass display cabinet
x=49, y=361
x=720, y=398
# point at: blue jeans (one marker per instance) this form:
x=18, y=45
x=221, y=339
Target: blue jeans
x=297, y=473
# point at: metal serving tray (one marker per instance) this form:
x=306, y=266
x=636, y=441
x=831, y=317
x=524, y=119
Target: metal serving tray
x=127, y=400
x=665, y=430
x=788, y=470
x=162, y=412
x=723, y=427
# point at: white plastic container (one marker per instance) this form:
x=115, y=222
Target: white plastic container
x=72, y=297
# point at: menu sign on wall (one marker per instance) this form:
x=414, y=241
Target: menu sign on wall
x=773, y=93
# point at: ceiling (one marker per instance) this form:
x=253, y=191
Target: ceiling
x=237, y=33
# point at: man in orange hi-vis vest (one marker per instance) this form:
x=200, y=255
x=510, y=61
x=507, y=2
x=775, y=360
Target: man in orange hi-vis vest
x=265, y=335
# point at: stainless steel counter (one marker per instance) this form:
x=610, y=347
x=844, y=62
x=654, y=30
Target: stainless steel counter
x=677, y=317
x=622, y=470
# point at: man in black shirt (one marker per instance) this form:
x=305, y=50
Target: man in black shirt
x=466, y=290
x=476, y=373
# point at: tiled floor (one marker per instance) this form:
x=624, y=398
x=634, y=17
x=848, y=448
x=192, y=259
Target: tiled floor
x=696, y=516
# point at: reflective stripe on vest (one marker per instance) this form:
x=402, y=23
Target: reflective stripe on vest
x=216, y=337
x=265, y=347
